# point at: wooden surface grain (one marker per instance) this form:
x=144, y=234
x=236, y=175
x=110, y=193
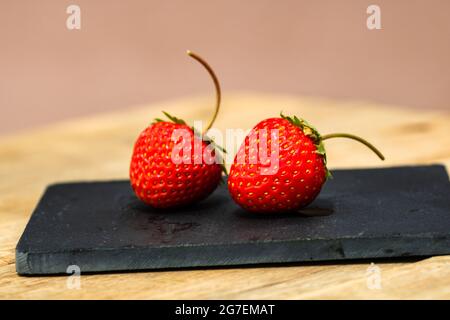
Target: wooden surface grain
x=99, y=148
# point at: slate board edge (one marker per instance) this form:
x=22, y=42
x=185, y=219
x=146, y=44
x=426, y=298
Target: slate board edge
x=211, y=255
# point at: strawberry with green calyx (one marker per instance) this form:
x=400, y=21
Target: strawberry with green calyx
x=161, y=177
x=300, y=166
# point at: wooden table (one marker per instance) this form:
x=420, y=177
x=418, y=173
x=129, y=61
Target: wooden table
x=100, y=147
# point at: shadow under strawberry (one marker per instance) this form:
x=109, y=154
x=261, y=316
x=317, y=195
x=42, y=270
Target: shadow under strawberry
x=319, y=208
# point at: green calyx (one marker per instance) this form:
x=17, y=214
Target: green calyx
x=219, y=150
x=318, y=139
x=311, y=132
x=171, y=118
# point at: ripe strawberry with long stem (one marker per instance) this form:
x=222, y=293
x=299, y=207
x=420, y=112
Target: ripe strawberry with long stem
x=172, y=164
x=282, y=165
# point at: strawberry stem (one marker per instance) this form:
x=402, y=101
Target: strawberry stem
x=351, y=136
x=216, y=85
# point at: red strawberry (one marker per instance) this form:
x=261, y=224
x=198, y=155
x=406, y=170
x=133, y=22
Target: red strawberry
x=288, y=180
x=167, y=172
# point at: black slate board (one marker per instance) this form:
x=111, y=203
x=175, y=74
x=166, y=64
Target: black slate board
x=367, y=213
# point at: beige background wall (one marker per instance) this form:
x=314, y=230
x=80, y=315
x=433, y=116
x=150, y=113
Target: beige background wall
x=133, y=52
